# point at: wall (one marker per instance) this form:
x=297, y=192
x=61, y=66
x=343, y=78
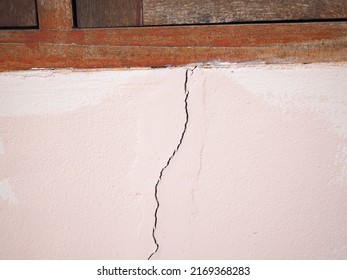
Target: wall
x=261, y=171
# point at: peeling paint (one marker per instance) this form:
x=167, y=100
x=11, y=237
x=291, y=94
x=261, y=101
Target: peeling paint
x=6, y=192
x=2, y=148
x=341, y=164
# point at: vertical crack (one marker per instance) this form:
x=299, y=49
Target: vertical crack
x=186, y=92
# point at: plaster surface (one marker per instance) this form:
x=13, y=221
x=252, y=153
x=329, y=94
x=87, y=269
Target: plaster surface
x=261, y=172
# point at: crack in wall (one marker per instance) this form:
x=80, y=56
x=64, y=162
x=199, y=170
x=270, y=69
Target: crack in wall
x=186, y=91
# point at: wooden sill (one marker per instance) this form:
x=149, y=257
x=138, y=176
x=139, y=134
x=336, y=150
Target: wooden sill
x=57, y=45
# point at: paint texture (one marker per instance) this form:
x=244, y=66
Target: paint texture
x=261, y=171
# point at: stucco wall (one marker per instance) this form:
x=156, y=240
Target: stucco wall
x=261, y=172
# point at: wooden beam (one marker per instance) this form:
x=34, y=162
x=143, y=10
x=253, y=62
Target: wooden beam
x=55, y=14
x=27, y=56
x=161, y=46
x=187, y=36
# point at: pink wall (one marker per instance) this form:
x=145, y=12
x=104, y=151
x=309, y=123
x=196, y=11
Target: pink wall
x=261, y=172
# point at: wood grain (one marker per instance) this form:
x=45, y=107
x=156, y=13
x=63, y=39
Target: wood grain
x=175, y=12
x=18, y=13
x=108, y=13
x=54, y=14
x=70, y=56
x=162, y=46
x=187, y=36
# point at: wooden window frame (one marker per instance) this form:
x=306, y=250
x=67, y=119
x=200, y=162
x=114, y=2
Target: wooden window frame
x=56, y=44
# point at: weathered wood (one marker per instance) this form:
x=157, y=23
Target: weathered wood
x=18, y=13
x=145, y=47
x=66, y=56
x=108, y=13
x=175, y=12
x=55, y=14
x=187, y=36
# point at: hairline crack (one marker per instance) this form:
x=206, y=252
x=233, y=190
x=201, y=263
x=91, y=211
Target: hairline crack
x=186, y=91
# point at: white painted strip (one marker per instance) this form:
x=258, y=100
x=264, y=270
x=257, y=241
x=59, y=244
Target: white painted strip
x=228, y=269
